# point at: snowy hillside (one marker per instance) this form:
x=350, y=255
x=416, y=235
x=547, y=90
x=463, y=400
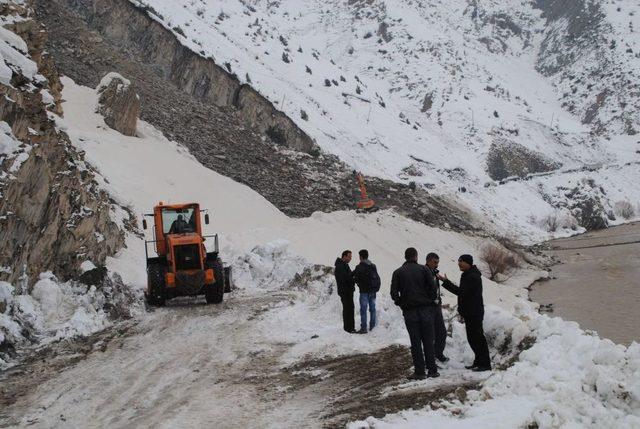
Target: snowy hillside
x=446, y=94
x=242, y=217
x=269, y=348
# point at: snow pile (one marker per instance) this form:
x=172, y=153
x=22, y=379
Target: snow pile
x=14, y=57
x=11, y=149
x=55, y=310
x=267, y=266
x=567, y=378
x=548, y=372
x=123, y=84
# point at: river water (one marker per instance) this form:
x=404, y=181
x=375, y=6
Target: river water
x=597, y=283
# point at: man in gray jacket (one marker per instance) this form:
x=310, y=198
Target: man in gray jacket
x=413, y=289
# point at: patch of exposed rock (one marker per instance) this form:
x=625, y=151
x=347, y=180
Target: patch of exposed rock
x=118, y=103
x=586, y=205
x=507, y=158
x=53, y=214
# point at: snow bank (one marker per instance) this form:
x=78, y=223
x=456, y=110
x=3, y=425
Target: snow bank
x=14, y=56
x=547, y=373
x=55, y=310
x=8, y=143
x=110, y=77
x=569, y=378
x=267, y=266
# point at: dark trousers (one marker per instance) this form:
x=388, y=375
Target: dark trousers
x=348, y=318
x=477, y=341
x=440, y=331
x=419, y=322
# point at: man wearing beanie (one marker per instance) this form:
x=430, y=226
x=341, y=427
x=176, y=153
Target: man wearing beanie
x=471, y=308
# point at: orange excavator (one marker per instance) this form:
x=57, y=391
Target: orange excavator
x=183, y=267
x=364, y=203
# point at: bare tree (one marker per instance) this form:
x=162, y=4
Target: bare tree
x=551, y=222
x=624, y=209
x=499, y=260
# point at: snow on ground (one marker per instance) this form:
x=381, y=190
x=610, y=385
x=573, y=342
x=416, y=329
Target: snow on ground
x=14, y=56
x=419, y=91
x=568, y=378
x=141, y=171
x=55, y=310
x=194, y=365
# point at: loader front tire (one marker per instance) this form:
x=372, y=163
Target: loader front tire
x=156, y=282
x=214, y=293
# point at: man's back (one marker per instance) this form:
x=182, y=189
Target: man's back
x=413, y=286
x=362, y=275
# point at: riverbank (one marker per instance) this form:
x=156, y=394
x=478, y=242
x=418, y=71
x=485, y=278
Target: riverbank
x=596, y=282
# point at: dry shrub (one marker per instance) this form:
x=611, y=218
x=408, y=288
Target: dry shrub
x=624, y=209
x=550, y=222
x=499, y=260
x=558, y=220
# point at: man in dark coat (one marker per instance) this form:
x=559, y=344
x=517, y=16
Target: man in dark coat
x=344, y=280
x=471, y=308
x=413, y=289
x=440, y=329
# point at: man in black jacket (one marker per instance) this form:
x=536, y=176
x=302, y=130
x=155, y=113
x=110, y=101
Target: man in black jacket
x=413, y=289
x=344, y=280
x=440, y=329
x=471, y=308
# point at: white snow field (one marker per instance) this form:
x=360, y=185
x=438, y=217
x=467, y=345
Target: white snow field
x=190, y=365
x=141, y=171
x=419, y=90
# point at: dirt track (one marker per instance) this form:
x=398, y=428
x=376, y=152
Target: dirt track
x=597, y=282
x=200, y=366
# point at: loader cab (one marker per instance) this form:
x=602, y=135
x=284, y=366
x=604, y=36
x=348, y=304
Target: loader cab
x=176, y=220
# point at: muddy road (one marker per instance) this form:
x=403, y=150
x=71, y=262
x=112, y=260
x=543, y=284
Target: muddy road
x=597, y=283
x=194, y=365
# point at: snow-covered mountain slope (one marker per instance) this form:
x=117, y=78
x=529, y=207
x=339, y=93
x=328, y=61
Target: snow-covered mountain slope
x=446, y=94
x=141, y=171
x=285, y=312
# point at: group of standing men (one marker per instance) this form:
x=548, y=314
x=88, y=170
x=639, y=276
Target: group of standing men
x=415, y=288
x=366, y=277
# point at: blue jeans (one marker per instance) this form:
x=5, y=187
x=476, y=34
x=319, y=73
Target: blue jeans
x=367, y=299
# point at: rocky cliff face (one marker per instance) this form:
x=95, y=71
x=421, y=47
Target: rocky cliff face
x=507, y=158
x=53, y=215
x=590, y=50
x=135, y=31
x=119, y=104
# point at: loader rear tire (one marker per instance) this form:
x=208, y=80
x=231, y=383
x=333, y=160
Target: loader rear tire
x=156, y=282
x=214, y=293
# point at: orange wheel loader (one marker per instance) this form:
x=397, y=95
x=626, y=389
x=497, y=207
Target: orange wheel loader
x=182, y=266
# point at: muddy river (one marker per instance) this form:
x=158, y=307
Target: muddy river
x=597, y=283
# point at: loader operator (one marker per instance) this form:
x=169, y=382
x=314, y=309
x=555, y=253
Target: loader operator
x=179, y=226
